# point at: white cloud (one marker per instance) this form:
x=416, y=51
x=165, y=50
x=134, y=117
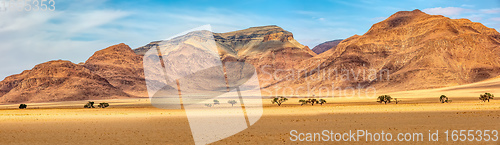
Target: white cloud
x=310, y=13
x=495, y=19
x=490, y=11
x=30, y=38
x=469, y=6
x=92, y=19
x=378, y=19
x=448, y=11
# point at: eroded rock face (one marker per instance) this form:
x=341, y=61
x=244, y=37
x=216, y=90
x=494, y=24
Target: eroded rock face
x=268, y=48
x=143, y=49
x=57, y=81
x=121, y=67
x=418, y=50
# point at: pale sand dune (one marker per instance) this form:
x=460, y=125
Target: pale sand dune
x=469, y=90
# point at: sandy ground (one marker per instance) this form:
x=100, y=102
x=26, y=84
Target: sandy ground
x=135, y=121
x=132, y=121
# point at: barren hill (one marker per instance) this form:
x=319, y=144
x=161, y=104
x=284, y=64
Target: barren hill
x=57, y=81
x=410, y=50
x=121, y=67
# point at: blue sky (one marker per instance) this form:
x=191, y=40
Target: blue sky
x=76, y=29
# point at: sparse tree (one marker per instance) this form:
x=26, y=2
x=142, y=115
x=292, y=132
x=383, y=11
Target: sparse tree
x=279, y=100
x=313, y=101
x=22, y=106
x=302, y=102
x=322, y=101
x=208, y=105
x=384, y=98
x=444, y=99
x=103, y=105
x=216, y=102
x=90, y=104
x=396, y=100
x=486, y=97
x=232, y=102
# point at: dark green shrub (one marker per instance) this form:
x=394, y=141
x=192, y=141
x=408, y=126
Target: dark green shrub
x=444, y=99
x=89, y=105
x=232, y=102
x=22, y=106
x=302, y=102
x=216, y=102
x=103, y=105
x=279, y=100
x=322, y=101
x=384, y=98
x=486, y=97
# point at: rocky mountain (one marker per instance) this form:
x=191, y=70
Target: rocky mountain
x=121, y=67
x=409, y=50
x=268, y=48
x=318, y=49
x=57, y=81
x=143, y=49
x=114, y=72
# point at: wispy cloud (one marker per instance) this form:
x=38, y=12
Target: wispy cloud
x=378, y=19
x=311, y=13
x=490, y=11
x=468, y=6
x=495, y=19
x=447, y=11
x=29, y=38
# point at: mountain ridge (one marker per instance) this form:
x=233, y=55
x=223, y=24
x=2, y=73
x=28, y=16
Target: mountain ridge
x=420, y=51
x=409, y=50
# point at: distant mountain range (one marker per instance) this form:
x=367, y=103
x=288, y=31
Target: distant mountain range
x=326, y=46
x=407, y=51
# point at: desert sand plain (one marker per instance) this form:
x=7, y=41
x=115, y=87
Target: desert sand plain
x=135, y=121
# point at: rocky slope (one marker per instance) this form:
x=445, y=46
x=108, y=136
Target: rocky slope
x=407, y=51
x=410, y=50
x=326, y=46
x=121, y=67
x=143, y=49
x=268, y=48
x=57, y=81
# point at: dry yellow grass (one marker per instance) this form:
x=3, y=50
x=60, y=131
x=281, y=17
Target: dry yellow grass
x=135, y=121
x=132, y=121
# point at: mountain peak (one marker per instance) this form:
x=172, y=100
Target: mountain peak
x=255, y=31
x=422, y=51
x=116, y=48
x=121, y=67
x=415, y=12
